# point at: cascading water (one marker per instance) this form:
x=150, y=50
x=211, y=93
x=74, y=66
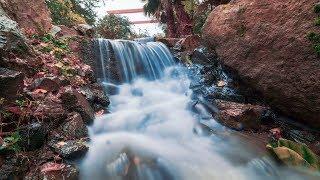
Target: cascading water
x=133, y=59
x=151, y=133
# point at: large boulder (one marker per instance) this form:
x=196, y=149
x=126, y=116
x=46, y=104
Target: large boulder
x=10, y=36
x=72, y=100
x=33, y=16
x=53, y=171
x=72, y=149
x=11, y=83
x=32, y=136
x=265, y=42
x=240, y=116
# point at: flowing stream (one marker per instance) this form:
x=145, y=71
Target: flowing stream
x=152, y=131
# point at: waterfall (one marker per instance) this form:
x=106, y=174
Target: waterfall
x=124, y=61
x=151, y=132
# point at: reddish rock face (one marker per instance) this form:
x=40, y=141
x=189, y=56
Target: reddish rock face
x=11, y=83
x=265, y=43
x=189, y=43
x=32, y=16
x=74, y=101
x=170, y=42
x=239, y=116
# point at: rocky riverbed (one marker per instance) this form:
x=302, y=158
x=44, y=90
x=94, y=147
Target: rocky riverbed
x=49, y=92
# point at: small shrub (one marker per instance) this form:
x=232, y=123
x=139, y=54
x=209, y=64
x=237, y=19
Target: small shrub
x=316, y=47
x=114, y=27
x=317, y=21
x=5, y=114
x=314, y=37
x=316, y=8
x=2, y=100
x=21, y=103
x=10, y=143
x=46, y=49
x=242, y=30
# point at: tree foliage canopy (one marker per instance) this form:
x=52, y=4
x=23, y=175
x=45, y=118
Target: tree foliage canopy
x=72, y=12
x=114, y=27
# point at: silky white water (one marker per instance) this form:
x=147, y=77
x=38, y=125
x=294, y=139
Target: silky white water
x=151, y=134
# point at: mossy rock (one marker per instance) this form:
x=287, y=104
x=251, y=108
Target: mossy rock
x=294, y=154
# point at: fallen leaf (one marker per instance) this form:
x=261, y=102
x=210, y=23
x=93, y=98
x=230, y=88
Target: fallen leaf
x=42, y=91
x=61, y=143
x=99, y=113
x=221, y=83
x=14, y=110
x=50, y=166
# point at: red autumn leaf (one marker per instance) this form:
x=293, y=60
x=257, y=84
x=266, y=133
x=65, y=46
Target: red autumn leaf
x=99, y=113
x=42, y=91
x=1, y=141
x=14, y=110
x=51, y=166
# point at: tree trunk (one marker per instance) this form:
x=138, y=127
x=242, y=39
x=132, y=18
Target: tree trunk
x=170, y=21
x=184, y=20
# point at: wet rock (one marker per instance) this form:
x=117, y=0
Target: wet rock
x=50, y=111
x=72, y=149
x=55, y=30
x=85, y=30
x=199, y=57
x=239, y=116
x=10, y=36
x=11, y=83
x=183, y=57
x=111, y=89
x=188, y=43
x=170, y=42
x=26, y=65
x=72, y=100
x=74, y=127
x=301, y=136
x=66, y=31
x=55, y=171
x=50, y=84
x=94, y=93
x=32, y=136
x=273, y=56
x=224, y=93
x=8, y=167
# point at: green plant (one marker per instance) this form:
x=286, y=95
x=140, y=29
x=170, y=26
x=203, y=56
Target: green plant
x=313, y=37
x=10, y=143
x=21, y=103
x=66, y=70
x=242, y=30
x=72, y=12
x=317, y=21
x=2, y=100
x=294, y=154
x=114, y=27
x=22, y=48
x=46, y=49
x=316, y=8
x=5, y=114
x=316, y=47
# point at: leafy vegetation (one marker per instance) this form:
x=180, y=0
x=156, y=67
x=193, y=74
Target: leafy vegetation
x=315, y=37
x=294, y=154
x=317, y=8
x=11, y=143
x=181, y=17
x=58, y=47
x=114, y=27
x=72, y=12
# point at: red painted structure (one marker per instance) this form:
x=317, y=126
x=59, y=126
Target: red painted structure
x=129, y=11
